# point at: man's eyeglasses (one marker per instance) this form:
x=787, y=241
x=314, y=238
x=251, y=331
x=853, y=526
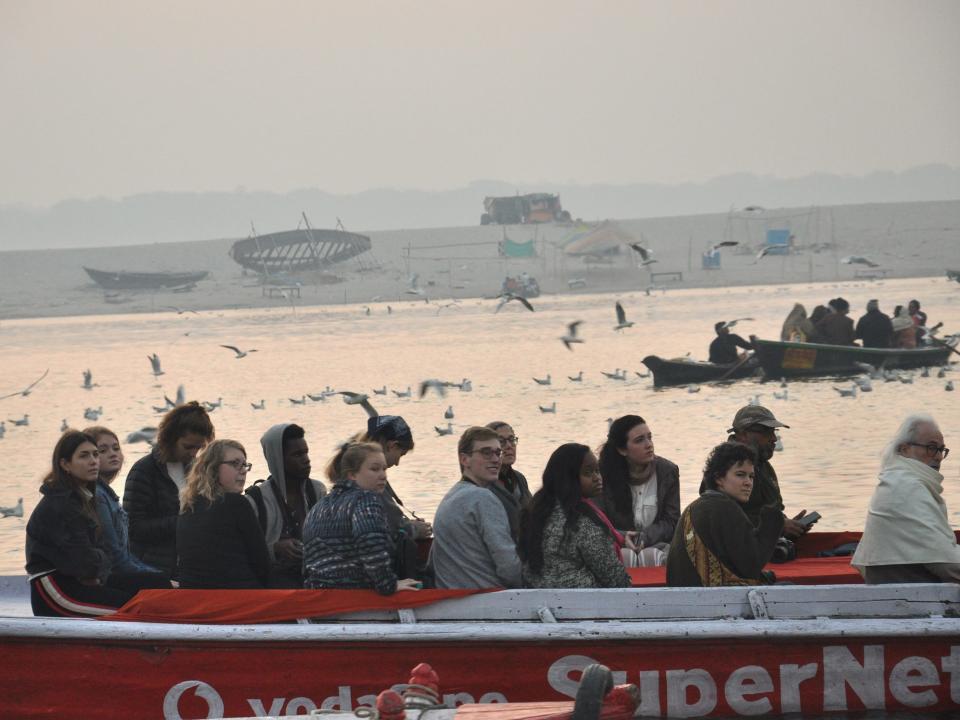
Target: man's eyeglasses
x=512, y=440
x=238, y=465
x=933, y=449
x=487, y=452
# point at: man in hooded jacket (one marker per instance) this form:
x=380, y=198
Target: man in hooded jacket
x=282, y=501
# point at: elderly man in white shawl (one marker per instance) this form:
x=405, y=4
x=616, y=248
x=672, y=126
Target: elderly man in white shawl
x=907, y=537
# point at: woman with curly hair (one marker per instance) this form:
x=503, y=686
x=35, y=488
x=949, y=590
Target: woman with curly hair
x=641, y=490
x=219, y=540
x=566, y=541
x=69, y=570
x=715, y=543
x=151, y=495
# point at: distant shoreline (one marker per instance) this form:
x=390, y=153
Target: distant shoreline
x=905, y=239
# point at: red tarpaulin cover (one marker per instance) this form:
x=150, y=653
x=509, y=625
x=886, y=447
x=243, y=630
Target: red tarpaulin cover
x=267, y=606
x=803, y=571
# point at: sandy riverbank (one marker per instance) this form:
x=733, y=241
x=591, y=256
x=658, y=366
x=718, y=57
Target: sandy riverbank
x=906, y=239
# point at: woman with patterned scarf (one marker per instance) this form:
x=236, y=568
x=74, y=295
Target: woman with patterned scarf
x=715, y=543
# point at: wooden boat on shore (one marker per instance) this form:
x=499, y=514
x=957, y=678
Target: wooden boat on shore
x=123, y=280
x=800, y=359
x=691, y=651
x=684, y=371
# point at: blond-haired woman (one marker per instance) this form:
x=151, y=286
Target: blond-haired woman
x=219, y=540
x=346, y=542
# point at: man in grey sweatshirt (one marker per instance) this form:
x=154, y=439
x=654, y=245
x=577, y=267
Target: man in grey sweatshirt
x=472, y=546
x=282, y=501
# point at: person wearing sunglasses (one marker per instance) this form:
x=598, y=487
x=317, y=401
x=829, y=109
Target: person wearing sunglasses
x=511, y=486
x=472, y=546
x=219, y=539
x=907, y=537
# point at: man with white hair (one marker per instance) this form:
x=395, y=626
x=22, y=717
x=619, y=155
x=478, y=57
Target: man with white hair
x=907, y=537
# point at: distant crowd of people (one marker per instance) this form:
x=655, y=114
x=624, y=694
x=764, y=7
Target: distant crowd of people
x=185, y=520
x=830, y=324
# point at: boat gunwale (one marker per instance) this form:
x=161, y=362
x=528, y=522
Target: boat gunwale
x=126, y=633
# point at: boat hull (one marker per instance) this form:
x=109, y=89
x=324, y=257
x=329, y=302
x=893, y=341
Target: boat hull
x=728, y=669
x=799, y=359
x=121, y=280
x=691, y=651
x=679, y=372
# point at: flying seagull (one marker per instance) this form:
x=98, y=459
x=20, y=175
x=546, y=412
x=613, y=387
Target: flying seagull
x=144, y=434
x=723, y=244
x=28, y=389
x=763, y=252
x=571, y=336
x=507, y=297
x=646, y=255
x=731, y=323
x=622, y=321
x=239, y=353
x=858, y=260
x=155, y=364
x=437, y=385
x=354, y=398
x=413, y=288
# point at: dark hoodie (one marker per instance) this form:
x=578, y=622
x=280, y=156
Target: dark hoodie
x=273, y=492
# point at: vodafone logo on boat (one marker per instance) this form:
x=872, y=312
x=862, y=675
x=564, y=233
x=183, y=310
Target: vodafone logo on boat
x=754, y=680
x=914, y=682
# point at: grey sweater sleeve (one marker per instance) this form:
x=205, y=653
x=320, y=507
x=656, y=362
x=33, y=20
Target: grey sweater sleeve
x=495, y=533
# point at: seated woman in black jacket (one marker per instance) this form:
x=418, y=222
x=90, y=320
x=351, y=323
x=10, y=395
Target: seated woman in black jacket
x=641, y=490
x=151, y=495
x=219, y=540
x=69, y=569
x=715, y=543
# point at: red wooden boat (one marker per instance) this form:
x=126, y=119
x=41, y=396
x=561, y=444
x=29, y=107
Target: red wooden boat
x=692, y=652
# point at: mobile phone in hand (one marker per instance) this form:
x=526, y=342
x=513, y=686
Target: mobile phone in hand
x=809, y=519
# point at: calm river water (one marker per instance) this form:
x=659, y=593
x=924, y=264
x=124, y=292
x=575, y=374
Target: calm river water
x=830, y=452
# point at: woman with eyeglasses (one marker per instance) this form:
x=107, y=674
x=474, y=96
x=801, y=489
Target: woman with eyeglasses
x=70, y=573
x=219, y=539
x=346, y=540
x=151, y=495
x=566, y=541
x=715, y=543
x=641, y=490
x=511, y=486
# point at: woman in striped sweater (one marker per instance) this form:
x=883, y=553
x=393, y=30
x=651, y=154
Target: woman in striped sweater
x=346, y=543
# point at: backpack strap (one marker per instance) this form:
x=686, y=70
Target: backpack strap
x=256, y=492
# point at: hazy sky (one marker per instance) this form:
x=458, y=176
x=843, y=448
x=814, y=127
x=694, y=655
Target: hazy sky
x=116, y=97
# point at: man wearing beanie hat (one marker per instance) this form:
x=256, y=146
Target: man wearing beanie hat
x=754, y=426
x=836, y=328
x=875, y=328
